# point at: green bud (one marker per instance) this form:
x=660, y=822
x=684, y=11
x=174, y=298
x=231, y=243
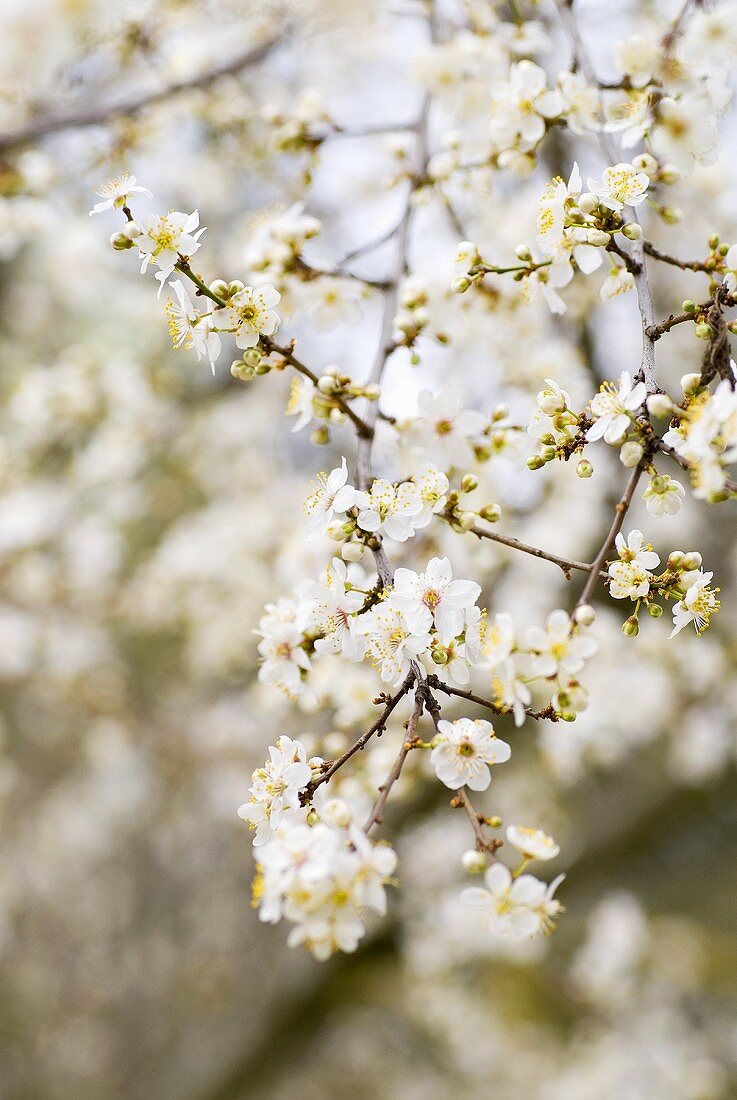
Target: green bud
x=120, y=241
x=631, y=627
x=440, y=657
x=688, y=306
x=469, y=483
x=460, y=285
x=654, y=610
x=491, y=513
x=495, y=822
x=535, y=463
x=466, y=520
x=704, y=331
x=723, y=249
x=219, y=288
x=252, y=357
x=547, y=454
x=714, y=241
x=242, y=371
x=584, y=468
x=235, y=287
x=263, y=368
x=320, y=437
x=632, y=231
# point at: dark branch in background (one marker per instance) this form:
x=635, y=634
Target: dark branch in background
x=96, y=115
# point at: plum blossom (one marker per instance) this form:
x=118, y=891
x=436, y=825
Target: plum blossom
x=276, y=788
x=389, y=510
x=697, y=606
x=521, y=106
x=514, y=908
x=434, y=598
x=166, y=237
x=117, y=193
x=612, y=409
x=559, y=648
x=663, y=496
x=330, y=497
x=390, y=642
x=631, y=575
x=620, y=186
x=333, y=613
x=250, y=314
x=532, y=843
x=192, y=329
x=444, y=429
x=464, y=752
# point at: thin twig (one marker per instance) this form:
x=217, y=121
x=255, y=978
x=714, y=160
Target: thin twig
x=484, y=843
x=375, y=817
x=496, y=708
x=565, y=564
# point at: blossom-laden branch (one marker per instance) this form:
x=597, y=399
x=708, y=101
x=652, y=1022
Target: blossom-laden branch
x=424, y=630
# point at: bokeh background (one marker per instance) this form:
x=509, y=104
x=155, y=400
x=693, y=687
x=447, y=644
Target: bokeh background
x=147, y=512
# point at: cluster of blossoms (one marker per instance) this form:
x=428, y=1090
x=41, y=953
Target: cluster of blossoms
x=422, y=630
x=683, y=580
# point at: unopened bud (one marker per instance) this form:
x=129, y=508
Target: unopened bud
x=320, y=437
x=713, y=241
x=587, y=202
x=522, y=252
x=631, y=627
x=630, y=453
x=691, y=383
x=469, y=482
x=120, y=241
x=675, y=561
x=584, y=468
x=352, y=551
x=646, y=163
x=219, y=288
x=704, y=331
x=550, y=403
x=632, y=231
x=263, y=368
x=372, y=392
x=460, y=284
x=466, y=520
x=132, y=230
x=584, y=614
x=235, y=287
x=474, y=862
x=692, y=560
x=671, y=215
x=547, y=454
x=500, y=412
x=491, y=513
x=534, y=462
x=252, y=357
x=654, y=610
x=598, y=238
x=440, y=657
x=337, y=813
x=327, y=384
x=659, y=405
x=242, y=371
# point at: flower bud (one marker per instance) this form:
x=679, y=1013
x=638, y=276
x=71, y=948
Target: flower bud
x=535, y=463
x=691, y=383
x=550, y=403
x=587, y=202
x=675, y=561
x=584, y=469
x=668, y=175
x=337, y=813
x=337, y=416
x=242, y=371
x=584, y=614
x=491, y=513
x=372, y=392
x=646, y=163
x=469, y=482
x=632, y=231
x=688, y=306
x=500, y=412
x=263, y=368
x=120, y=241
x=658, y=484
x=235, y=287
x=654, y=610
x=703, y=331
x=440, y=657
x=631, y=627
x=336, y=532
x=630, y=453
x=692, y=560
x=219, y=288
x=460, y=284
x=327, y=384
x=671, y=215
x=466, y=520
x=547, y=454
x=659, y=405
x=474, y=862
x=352, y=551
x=713, y=241
x=132, y=230
x=598, y=237
x=522, y=252
x=320, y=437
x=252, y=357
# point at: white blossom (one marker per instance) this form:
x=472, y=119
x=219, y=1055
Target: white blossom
x=464, y=752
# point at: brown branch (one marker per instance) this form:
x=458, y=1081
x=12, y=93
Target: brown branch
x=96, y=115
x=565, y=564
x=377, y=728
x=619, y=513
x=496, y=708
x=375, y=817
x=657, y=330
x=484, y=843
x=685, y=265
